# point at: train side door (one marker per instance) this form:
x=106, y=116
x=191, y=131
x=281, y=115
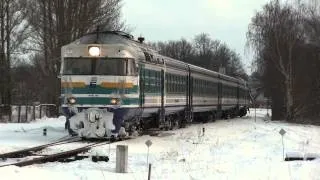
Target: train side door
x=141, y=85
x=238, y=95
x=189, y=96
x=219, y=94
x=162, y=92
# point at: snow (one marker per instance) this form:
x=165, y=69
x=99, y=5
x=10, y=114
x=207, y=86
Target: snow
x=241, y=148
x=15, y=136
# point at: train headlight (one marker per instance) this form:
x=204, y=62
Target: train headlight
x=115, y=101
x=94, y=51
x=72, y=100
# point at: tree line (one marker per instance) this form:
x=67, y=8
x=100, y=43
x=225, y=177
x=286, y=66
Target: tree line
x=285, y=39
x=33, y=31
x=205, y=52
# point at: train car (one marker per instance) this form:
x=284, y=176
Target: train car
x=113, y=85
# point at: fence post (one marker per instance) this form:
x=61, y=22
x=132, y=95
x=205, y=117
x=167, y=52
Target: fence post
x=26, y=113
x=10, y=113
x=34, y=112
x=19, y=113
x=40, y=111
x=149, y=173
x=122, y=159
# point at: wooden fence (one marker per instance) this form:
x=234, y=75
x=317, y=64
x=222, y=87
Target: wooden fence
x=26, y=113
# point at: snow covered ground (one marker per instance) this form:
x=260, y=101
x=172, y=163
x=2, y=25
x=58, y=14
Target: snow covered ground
x=240, y=148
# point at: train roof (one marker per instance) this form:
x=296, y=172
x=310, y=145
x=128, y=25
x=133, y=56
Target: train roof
x=119, y=37
x=111, y=37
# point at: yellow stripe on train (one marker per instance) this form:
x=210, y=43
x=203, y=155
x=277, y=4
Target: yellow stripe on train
x=73, y=84
x=116, y=85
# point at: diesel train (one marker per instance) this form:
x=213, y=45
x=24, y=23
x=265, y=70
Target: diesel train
x=112, y=85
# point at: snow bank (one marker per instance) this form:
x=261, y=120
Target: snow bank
x=240, y=148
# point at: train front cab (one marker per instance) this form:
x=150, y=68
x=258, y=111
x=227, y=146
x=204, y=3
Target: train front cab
x=107, y=84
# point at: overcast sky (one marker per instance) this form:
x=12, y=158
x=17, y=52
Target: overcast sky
x=162, y=20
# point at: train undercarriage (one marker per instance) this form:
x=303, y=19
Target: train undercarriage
x=103, y=123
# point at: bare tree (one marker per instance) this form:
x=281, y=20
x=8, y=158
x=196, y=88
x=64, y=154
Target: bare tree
x=2, y=52
x=276, y=34
x=13, y=30
x=181, y=49
x=205, y=45
x=204, y=52
x=58, y=22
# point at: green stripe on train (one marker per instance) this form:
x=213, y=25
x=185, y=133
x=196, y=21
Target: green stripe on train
x=99, y=90
x=105, y=101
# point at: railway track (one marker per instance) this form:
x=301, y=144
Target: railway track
x=57, y=156
x=30, y=151
x=61, y=156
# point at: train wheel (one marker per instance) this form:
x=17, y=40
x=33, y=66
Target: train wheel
x=71, y=132
x=211, y=117
x=225, y=115
x=175, y=123
x=243, y=112
x=183, y=124
x=170, y=121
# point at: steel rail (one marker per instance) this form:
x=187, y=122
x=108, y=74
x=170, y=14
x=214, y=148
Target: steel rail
x=29, y=151
x=56, y=156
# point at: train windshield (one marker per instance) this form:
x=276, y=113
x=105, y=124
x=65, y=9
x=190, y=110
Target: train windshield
x=105, y=66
